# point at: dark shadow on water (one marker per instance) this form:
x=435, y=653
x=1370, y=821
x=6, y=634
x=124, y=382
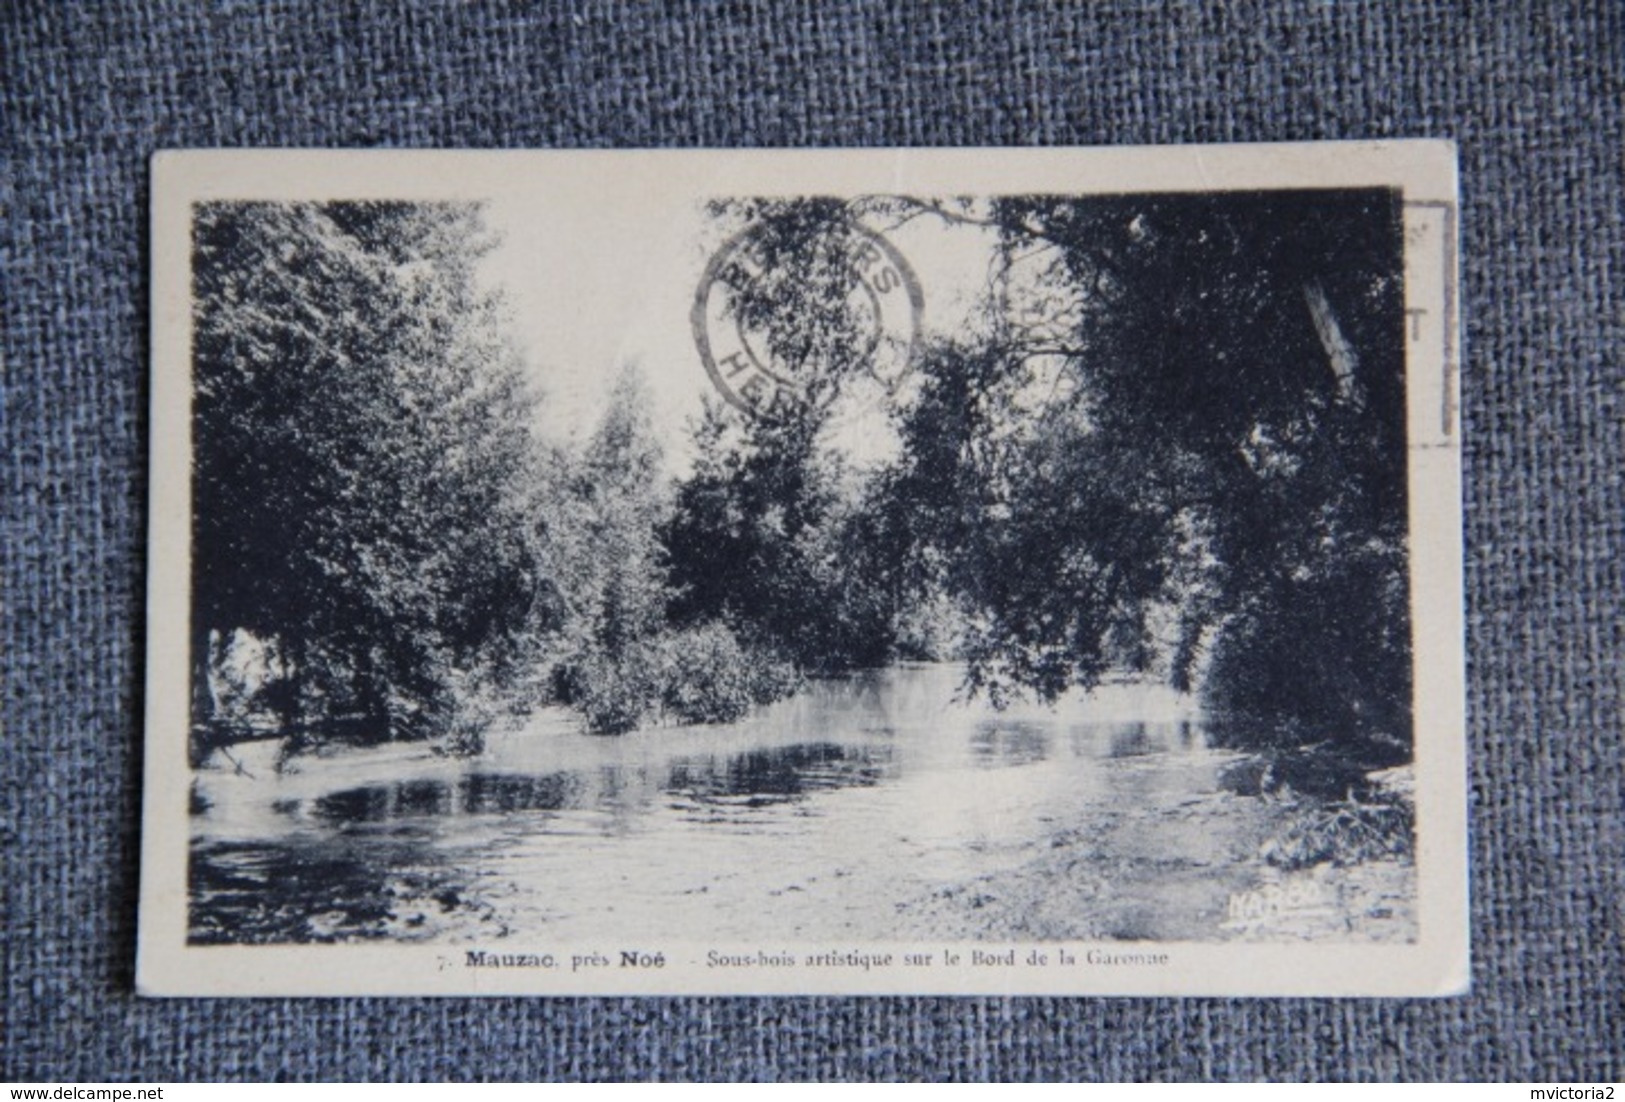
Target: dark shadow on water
x=1132, y=740
x=376, y=803
x=755, y=778
x=476, y=794
x=624, y=788
x=1004, y=744
x=259, y=893
x=485, y=793
x=761, y=778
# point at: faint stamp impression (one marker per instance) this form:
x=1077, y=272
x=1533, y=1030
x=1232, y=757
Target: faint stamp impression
x=781, y=318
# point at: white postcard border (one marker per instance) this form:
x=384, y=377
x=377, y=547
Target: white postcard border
x=1436, y=964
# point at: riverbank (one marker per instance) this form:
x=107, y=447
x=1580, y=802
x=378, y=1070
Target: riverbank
x=870, y=808
x=1188, y=867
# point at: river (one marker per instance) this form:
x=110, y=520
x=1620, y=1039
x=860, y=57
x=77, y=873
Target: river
x=870, y=807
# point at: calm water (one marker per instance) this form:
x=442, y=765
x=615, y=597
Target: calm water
x=820, y=816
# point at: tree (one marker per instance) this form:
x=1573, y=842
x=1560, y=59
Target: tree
x=601, y=546
x=360, y=424
x=770, y=536
x=1172, y=438
x=773, y=532
x=1216, y=424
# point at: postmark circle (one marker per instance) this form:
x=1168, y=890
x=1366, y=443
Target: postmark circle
x=870, y=323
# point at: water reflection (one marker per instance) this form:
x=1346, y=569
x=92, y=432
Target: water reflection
x=755, y=778
x=309, y=891
x=475, y=794
x=1010, y=744
x=780, y=774
x=1132, y=740
x=873, y=780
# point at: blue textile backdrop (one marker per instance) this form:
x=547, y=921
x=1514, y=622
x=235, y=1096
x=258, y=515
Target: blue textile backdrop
x=1533, y=93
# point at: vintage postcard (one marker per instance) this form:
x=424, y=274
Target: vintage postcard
x=746, y=572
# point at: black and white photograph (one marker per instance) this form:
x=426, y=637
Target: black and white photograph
x=826, y=572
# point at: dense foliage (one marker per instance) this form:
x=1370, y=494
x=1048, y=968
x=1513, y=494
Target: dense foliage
x=1229, y=449
x=358, y=427
x=382, y=548
x=1169, y=441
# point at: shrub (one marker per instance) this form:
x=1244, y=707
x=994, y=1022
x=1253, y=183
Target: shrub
x=708, y=676
x=463, y=725
x=704, y=674
x=771, y=676
x=1344, y=833
x=618, y=693
x=1322, y=660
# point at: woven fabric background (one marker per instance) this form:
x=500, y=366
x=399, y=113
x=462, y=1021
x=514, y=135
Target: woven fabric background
x=1534, y=94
